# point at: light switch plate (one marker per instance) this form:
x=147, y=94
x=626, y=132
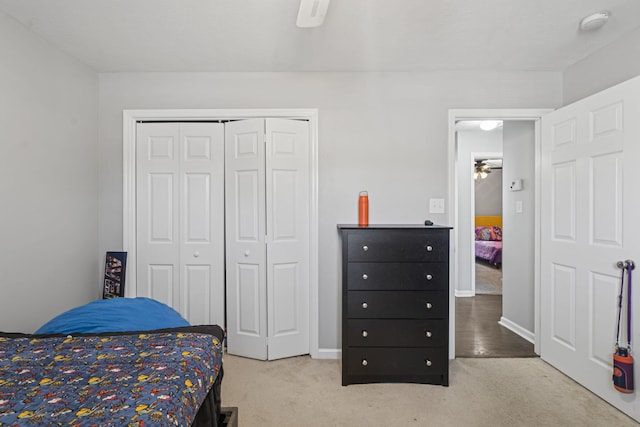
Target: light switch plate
x=519, y=208
x=436, y=205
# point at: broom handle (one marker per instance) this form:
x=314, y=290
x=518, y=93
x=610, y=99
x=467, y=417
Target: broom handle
x=622, y=265
x=630, y=267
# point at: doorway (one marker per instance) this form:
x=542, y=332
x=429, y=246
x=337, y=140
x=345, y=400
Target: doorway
x=481, y=306
x=463, y=223
x=486, y=211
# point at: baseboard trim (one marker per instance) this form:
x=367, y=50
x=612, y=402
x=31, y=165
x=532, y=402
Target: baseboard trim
x=465, y=294
x=328, y=353
x=517, y=329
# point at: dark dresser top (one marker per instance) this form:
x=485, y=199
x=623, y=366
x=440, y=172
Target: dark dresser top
x=392, y=226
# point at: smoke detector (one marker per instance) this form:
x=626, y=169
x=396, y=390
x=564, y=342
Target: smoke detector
x=311, y=13
x=594, y=21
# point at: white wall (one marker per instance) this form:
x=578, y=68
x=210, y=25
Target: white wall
x=48, y=180
x=488, y=194
x=611, y=65
x=518, y=238
x=469, y=144
x=383, y=132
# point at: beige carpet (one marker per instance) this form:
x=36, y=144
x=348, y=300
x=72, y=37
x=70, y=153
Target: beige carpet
x=484, y=392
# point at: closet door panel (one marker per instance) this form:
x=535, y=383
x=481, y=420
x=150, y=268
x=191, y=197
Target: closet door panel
x=157, y=180
x=245, y=236
x=283, y=213
x=160, y=211
x=159, y=284
x=180, y=217
x=196, y=294
x=197, y=208
x=202, y=222
x=247, y=310
x=247, y=196
x=285, y=299
x=287, y=187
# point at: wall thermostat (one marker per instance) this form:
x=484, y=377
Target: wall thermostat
x=516, y=185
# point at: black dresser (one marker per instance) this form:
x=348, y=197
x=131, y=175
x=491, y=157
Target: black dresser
x=395, y=304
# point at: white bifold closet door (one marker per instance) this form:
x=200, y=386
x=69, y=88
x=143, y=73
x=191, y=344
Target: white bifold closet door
x=267, y=234
x=180, y=218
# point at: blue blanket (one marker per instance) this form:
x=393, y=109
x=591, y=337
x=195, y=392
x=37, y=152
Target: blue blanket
x=115, y=315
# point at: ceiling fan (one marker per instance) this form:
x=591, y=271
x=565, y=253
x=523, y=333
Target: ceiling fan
x=483, y=167
x=481, y=170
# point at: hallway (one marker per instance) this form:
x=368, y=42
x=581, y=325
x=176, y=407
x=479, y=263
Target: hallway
x=478, y=333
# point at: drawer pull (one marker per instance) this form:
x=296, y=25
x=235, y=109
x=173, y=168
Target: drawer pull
x=364, y=362
x=365, y=248
x=429, y=248
x=429, y=305
x=427, y=362
x=365, y=277
x=428, y=277
x=428, y=334
x=365, y=333
x=365, y=305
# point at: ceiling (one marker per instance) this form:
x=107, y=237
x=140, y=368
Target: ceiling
x=357, y=35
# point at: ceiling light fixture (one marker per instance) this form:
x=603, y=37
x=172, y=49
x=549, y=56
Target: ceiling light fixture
x=594, y=21
x=489, y=124
x=312, y=13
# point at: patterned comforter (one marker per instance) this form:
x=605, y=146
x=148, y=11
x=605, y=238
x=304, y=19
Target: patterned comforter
x=145, y=379
x=490, y=251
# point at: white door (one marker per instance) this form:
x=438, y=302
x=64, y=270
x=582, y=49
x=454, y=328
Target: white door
x=590, y=211
x=246, y=236
x=180, y=217
x=267, y=220
x=287, y=173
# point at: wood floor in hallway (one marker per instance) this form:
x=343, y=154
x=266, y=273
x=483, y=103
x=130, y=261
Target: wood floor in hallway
x=478, y=333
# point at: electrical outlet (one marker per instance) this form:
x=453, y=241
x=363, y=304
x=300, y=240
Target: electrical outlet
x=519, y=208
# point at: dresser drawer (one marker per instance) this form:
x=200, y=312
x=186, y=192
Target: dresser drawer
x=397, y=361
x=397, y=332
x=398, y=245
x=397, y=275
x=397, y=304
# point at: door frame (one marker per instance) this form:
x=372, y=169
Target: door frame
x=129, y=120
x=535, y=115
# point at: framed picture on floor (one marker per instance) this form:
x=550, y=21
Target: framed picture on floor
x=114, y=274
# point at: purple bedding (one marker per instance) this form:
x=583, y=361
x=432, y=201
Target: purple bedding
x=490, y=251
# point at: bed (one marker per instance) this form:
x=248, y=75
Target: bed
x=169, y=376
x=488, y=239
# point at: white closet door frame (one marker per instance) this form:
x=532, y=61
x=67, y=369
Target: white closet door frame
x=129, y=119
